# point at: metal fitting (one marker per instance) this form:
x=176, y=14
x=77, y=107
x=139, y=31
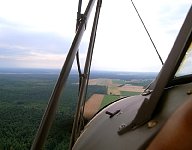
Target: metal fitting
x=152, y=123
x=189, y=92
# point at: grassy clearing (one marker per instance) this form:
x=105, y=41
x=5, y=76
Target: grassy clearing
x=129, y=93
x=108, y=99
x=118, y=81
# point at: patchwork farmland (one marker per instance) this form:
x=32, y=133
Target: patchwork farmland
x=116, y=89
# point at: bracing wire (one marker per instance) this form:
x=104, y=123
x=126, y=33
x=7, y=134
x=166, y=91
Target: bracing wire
x=148, y=33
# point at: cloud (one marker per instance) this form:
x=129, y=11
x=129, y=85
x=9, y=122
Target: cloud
x=23, y=47
x=12, y=35
x=41, y=15
x=171, y=18
x=34, y=32
x=34, y=60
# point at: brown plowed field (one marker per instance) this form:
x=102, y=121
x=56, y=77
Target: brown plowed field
x=92, y=105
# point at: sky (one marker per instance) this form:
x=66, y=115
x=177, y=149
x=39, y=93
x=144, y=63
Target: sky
x=38, y=33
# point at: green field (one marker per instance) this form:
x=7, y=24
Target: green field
x=108, y=99
x=128, y=93
x=118, y=81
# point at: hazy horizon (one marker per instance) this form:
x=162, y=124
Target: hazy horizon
x=17, y=69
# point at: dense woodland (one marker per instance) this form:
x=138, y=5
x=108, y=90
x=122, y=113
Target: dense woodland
x=23, y=99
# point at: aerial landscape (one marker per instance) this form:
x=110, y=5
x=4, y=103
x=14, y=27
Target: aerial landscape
x=38, y=35
x=24, y=94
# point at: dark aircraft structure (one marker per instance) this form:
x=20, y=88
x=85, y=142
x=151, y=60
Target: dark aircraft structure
x=136, y=122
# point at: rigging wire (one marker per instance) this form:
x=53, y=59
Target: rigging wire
x=147, y=33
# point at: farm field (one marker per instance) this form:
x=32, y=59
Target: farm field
x=92, y=105
x=116, y=89
x=108, y=99
x=129, y=93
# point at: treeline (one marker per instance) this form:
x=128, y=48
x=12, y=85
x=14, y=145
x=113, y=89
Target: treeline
x=123, y=75
x=143, y=83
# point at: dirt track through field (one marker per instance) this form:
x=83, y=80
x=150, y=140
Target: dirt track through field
x=92, y=105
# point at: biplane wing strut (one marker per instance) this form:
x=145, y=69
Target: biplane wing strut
x=51, y=108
